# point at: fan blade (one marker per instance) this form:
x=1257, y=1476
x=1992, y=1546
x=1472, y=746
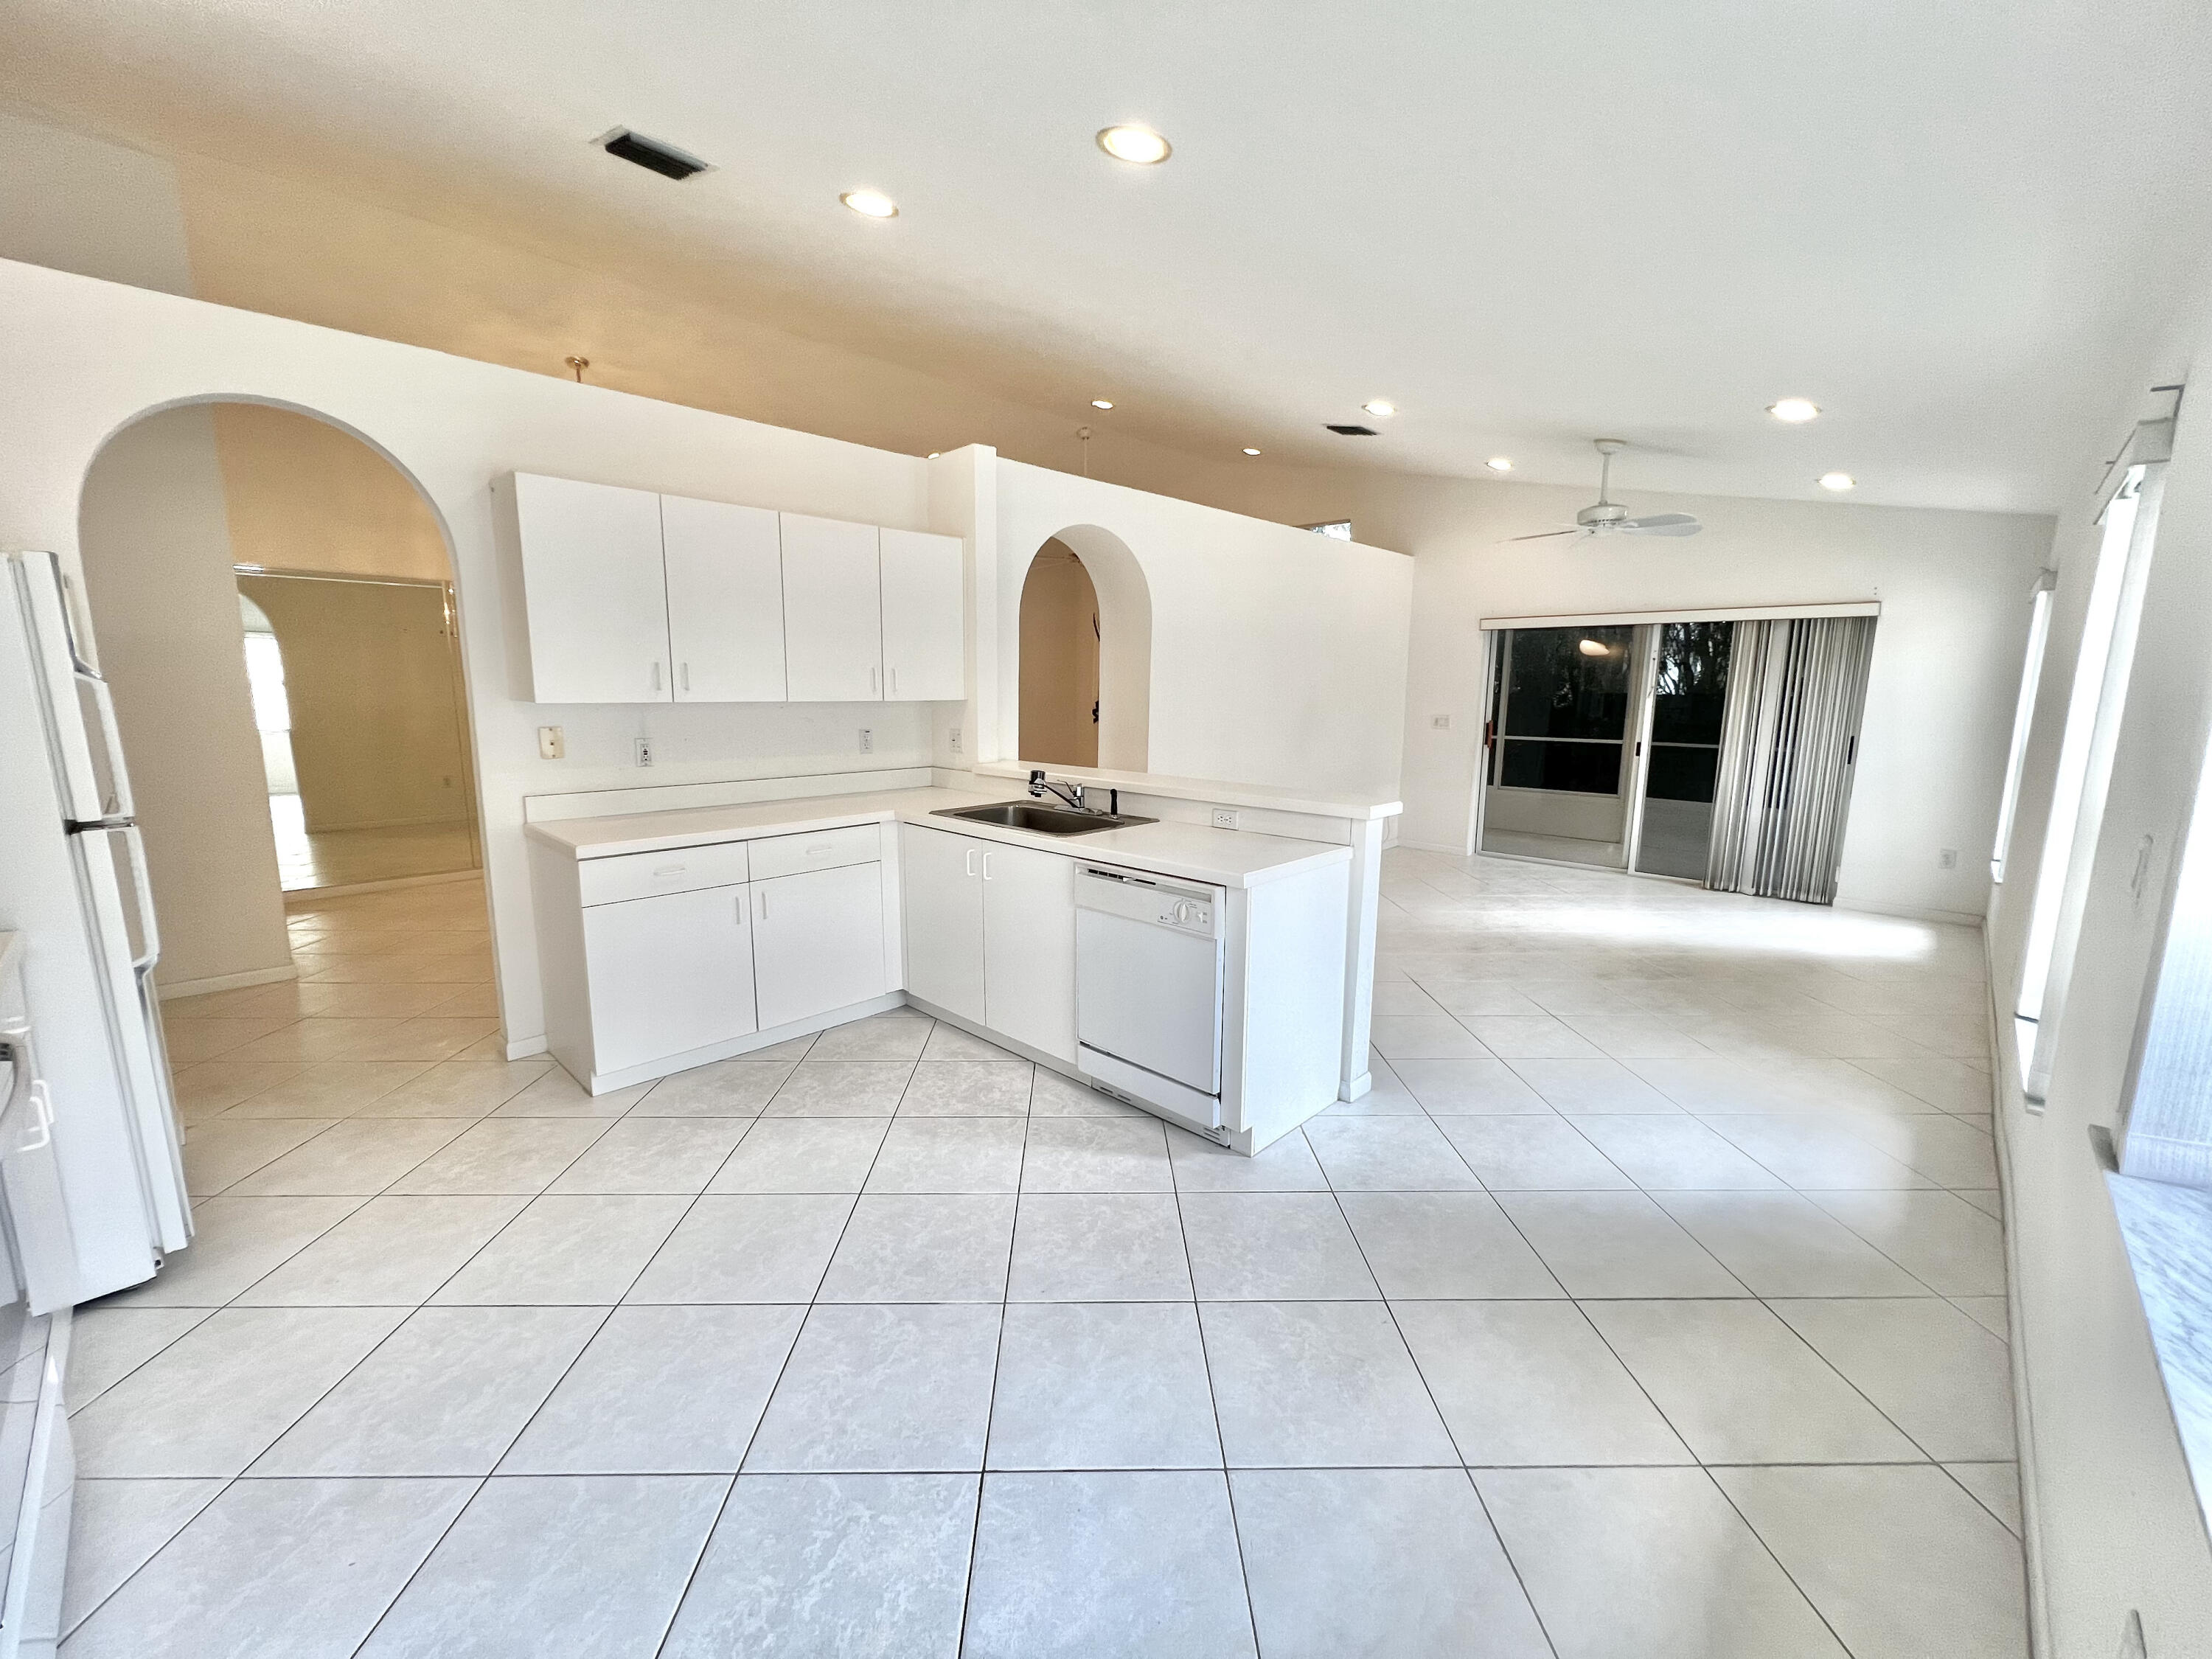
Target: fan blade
x=1662, y=524
x=1571, y=529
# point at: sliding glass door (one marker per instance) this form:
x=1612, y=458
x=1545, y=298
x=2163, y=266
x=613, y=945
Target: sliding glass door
x=1559, y=757
x=1689, y=695
x=1720, y=752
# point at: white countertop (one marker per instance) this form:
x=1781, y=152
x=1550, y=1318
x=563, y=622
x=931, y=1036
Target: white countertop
x=1257, y=795
x=1228, y=857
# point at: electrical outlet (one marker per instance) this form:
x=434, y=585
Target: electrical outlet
x=1442, y=722
x=1225, y=817
x=552, y=743
x=1948, y=858
x=868, y=741
x=645, y=751
x=956, y=739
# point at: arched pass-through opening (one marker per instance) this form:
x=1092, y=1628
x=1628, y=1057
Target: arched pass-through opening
x=1061, y=634
x=1085, y=554
x=184, y=509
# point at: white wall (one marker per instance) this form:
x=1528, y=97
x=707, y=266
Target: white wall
x=2118, y=1524
x=97, y=209
x=1278, y=657
x=1955, y=589
x=156, y=564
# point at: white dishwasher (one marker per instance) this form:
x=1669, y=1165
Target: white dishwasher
x=1148, y=973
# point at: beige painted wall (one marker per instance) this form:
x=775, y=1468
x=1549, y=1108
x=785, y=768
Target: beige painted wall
x=156, y=542
x=369, y=671
x=304, y=495
x=1060, y=660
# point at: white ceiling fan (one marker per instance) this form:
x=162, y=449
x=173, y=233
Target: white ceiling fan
x=1603, y=517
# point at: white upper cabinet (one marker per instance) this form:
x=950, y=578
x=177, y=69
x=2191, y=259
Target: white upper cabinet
x=832, y=611
x=924, y=631
x=725, y=570
x=591, y=582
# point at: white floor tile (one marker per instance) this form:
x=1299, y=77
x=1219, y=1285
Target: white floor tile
x=939, y=1247
x=1616, y=1244
x=1101, y=1386
x=1318, y=1385
x=583, y=1251
x=1099, y=1247
x=1444, y=1245
x=883, y=1388
x=1257, y=1247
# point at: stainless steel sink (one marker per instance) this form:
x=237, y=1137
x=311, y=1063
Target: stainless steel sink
x=1044, y=820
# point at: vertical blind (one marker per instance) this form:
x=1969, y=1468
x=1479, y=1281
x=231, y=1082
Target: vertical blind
x=1789, y=738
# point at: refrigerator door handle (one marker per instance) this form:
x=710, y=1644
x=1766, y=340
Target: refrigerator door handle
x=15, y=1049
x=141, y=884
x=111, y=735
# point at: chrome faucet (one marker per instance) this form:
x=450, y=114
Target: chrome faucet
x=1071, y=793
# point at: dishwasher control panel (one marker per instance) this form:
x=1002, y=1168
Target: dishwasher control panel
x=1141, y=897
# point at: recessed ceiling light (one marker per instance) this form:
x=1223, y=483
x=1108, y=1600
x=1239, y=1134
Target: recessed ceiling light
x=869, y=203
x=934, y=454
x=1102, y=402
x=1500, y=463
x=1796, y=410
x=1839, y=481
x=1139, y=146
x=1249, y=450
x=1382, y=406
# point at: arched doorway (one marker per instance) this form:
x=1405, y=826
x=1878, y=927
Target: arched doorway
x=1060, y=660
x=217, y=534
x=1084, y=580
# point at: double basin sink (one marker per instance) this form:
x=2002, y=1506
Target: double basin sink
x=1044, y=820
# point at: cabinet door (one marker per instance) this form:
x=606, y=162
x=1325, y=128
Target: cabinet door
x=593, y=591
x=924, y=657
x=818, y=941
x=833, y=632
x=942, y=877
x=668, y=973
x=725, y=600
x=1028, y=947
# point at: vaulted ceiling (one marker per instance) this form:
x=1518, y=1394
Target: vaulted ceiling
x=1525, y=224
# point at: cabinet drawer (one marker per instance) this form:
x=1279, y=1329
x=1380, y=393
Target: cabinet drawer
x=640, y=875
x=786, y=855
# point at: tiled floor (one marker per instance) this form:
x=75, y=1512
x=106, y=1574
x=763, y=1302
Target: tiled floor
x=1653, y=1305
x=341, y=858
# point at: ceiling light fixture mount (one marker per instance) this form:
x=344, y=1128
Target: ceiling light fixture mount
x=1138, y=146
x=1838, y=482
x=869, y=203
x=1102, y=402
x=1500, y=463
x=1249, y=450
x=1380, y=406
x=1794, y=411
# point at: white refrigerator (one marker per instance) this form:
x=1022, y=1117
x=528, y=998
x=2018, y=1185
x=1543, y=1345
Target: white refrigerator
x=73, y=883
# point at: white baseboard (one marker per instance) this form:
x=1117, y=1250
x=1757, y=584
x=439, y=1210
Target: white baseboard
x=524, y=1047
x=167, y=990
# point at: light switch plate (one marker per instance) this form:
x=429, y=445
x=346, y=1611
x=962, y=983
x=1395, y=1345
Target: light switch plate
x=552, y=743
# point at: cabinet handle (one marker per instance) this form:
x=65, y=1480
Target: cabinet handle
x=971, y=860
x=872, y=675
x=895, y=682
x=685, y=676
x=987, y=864
x=760, y=898
x=656, y=675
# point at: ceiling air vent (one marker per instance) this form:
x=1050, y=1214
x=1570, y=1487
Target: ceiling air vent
x=650, y=153
x=1352, y=431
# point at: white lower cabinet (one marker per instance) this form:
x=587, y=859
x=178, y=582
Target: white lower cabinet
x=941, y=875
x=1029, y=948
x=990, y=935
x=667, y=974
x=818, y=941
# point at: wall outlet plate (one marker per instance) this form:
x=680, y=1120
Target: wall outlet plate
x=1225, y=817
x=552, y=743
x=1442, y=722
x=868, y=741
x=956, y=739
x=1948, y=858
x=645, y=751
